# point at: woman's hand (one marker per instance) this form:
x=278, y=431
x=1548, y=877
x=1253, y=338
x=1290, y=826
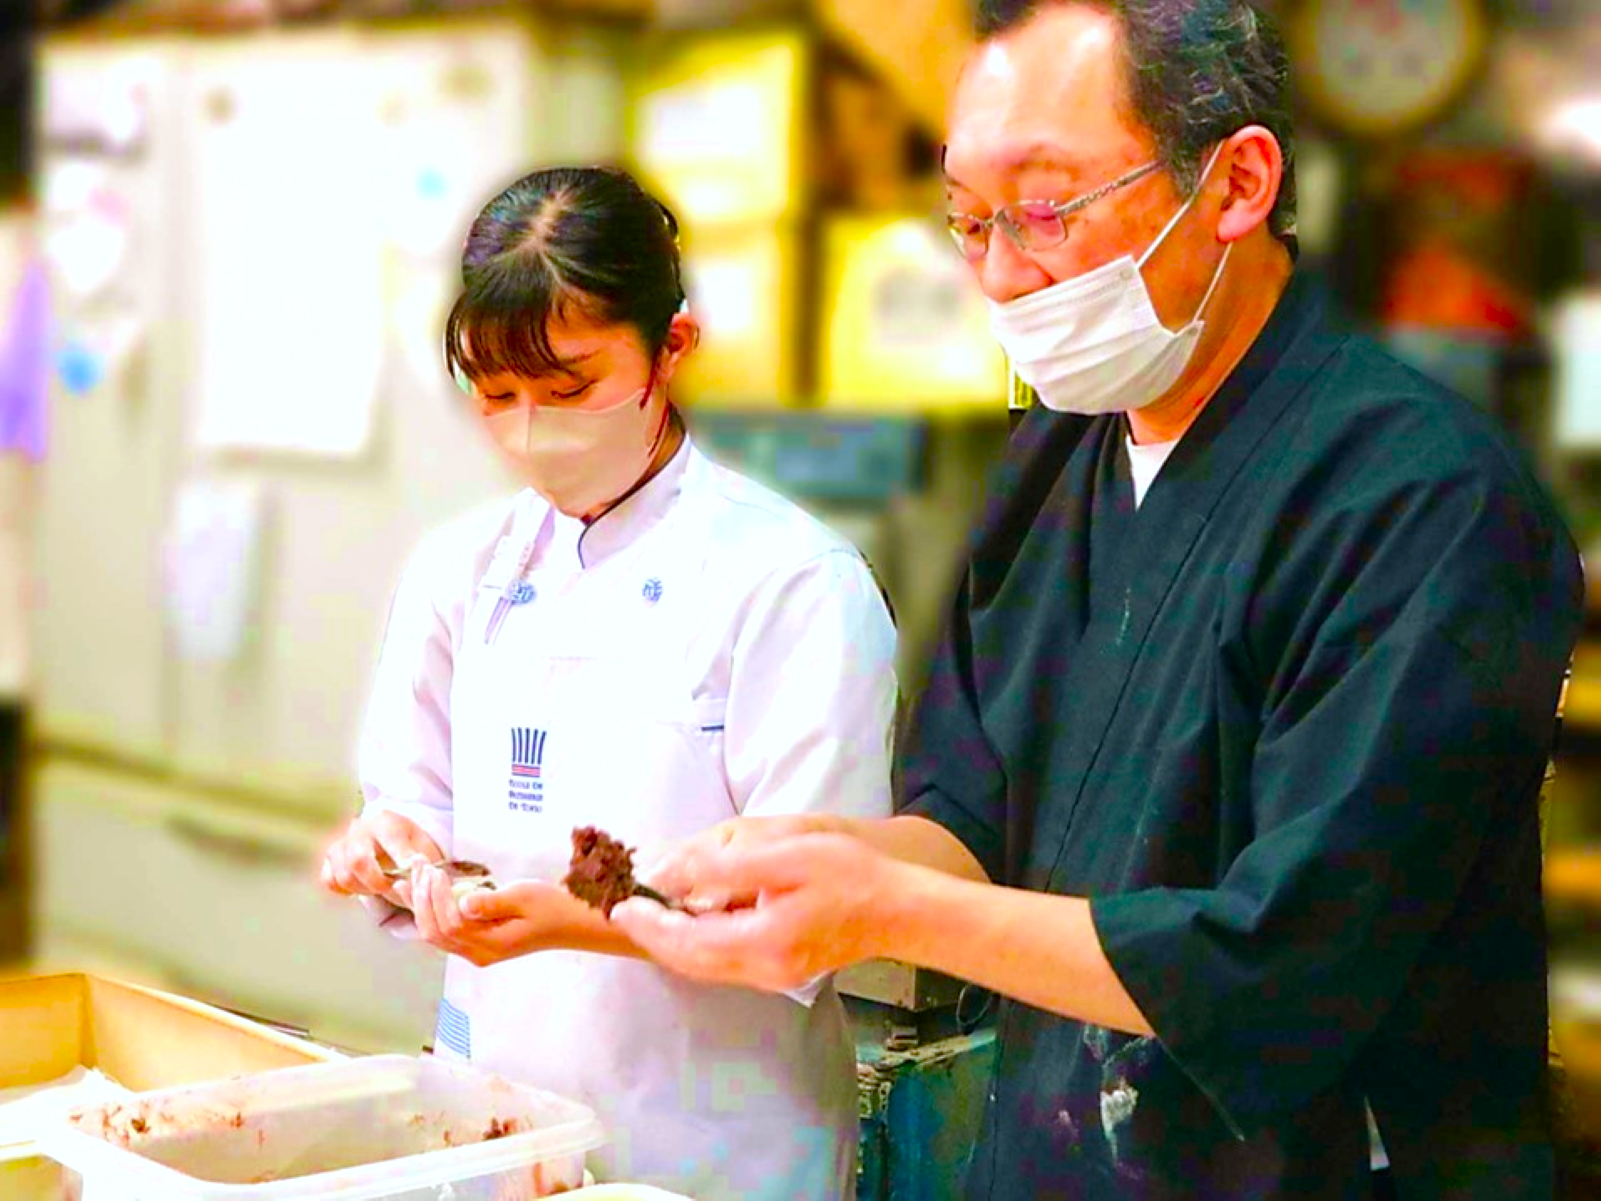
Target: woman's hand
x=490, y=926
x=351, y=865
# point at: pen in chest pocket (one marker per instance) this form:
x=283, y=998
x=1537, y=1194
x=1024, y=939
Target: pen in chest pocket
x=517, y=591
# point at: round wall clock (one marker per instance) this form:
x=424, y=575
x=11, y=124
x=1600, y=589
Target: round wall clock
x=1380, y=67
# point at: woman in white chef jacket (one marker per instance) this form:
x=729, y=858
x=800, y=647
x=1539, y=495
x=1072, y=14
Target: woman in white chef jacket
x=642, y=641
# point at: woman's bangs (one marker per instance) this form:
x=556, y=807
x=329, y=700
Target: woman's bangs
x=484, y=340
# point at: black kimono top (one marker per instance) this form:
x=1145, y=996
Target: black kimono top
x=1285, y=726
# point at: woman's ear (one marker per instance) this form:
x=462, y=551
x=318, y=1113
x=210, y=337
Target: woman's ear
x=683, y=336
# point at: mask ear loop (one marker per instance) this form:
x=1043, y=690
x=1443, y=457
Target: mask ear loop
x=1217, y=278
x=667, y=414
x=683, y=307
x=1184, y=208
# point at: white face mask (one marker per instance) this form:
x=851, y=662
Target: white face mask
x=580, y=460
x=1094, y=344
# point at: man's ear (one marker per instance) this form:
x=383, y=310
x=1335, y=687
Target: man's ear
x=1253, y=170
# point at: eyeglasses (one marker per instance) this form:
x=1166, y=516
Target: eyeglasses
x=1032, y=225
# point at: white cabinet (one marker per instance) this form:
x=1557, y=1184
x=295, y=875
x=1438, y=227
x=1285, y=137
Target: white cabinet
x=243, y=201
x=154, y=858
x=109, y=236
x=221, y=904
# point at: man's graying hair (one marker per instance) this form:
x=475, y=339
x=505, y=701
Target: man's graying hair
x=1198, y=71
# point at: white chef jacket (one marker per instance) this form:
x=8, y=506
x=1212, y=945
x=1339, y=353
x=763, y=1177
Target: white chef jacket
x=759, y=650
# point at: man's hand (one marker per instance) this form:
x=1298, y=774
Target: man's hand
x=682, y=872
x=487, y=927
x=351, y=868
x=812, y=903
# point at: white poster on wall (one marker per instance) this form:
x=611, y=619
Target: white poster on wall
x=288, y=248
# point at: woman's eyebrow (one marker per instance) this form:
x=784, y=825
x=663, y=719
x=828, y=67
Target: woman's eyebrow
x=565, y=366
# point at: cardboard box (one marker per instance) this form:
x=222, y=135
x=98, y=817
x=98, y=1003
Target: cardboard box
x=719, y=124
x=140, y=1038
x=864, y=151
x=917, y=49
x=747, y=286
x=904, y=326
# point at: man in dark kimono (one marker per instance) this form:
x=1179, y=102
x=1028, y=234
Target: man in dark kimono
x=1226, y=774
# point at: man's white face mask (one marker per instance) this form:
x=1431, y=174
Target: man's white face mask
x=1093, y=344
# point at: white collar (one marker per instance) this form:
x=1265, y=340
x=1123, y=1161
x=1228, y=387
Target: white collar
x=1145, y=463
x=620, y=527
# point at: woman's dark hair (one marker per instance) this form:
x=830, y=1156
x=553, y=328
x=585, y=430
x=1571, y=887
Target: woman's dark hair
x=583, y=241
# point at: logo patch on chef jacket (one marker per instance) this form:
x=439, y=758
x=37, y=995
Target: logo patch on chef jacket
x=526, y=788
x=652, y=591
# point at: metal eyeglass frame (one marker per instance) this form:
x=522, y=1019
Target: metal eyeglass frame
x=983, y=225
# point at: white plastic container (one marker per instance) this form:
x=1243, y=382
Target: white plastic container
x=388, y=1127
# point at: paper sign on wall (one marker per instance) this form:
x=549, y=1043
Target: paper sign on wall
x=290, y=257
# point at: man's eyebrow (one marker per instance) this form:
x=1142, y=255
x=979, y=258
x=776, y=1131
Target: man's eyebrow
x=1042, y=156
x=1036, y=156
